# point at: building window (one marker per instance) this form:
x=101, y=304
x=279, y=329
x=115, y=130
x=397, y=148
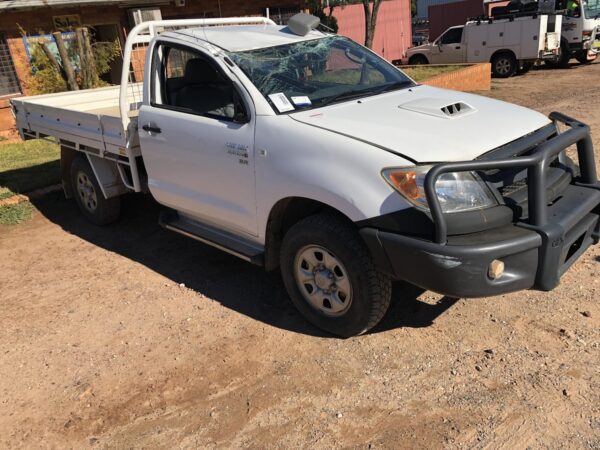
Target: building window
x=9, y=83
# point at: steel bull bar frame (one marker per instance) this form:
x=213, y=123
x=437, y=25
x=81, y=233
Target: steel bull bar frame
x=551, y=258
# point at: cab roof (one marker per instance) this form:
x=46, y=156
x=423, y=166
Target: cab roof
x=235, y=38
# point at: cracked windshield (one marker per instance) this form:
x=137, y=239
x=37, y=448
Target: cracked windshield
x=317, y=72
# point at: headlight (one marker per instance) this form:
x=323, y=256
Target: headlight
x=457, y=191
x=586, y=35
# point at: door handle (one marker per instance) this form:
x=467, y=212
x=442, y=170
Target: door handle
x=150, y=129
x=457, y=47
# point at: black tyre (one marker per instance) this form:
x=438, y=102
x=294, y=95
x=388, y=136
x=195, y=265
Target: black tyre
x=89, y=197
x=330, y=277
x=418, y=60
x=504, y=65
x=564, y=56
x=583, y=58
x=526, y=67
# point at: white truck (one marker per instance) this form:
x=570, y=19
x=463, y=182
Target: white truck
x=580, y=33
x=509, y=44
x=300, y=150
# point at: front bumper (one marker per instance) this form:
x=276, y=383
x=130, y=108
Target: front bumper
x=535, y=251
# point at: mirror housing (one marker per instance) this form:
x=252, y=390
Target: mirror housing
x=240, y=116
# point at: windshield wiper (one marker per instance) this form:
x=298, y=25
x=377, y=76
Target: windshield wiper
x=391, y=86
x=347, y=95
x=369, y=91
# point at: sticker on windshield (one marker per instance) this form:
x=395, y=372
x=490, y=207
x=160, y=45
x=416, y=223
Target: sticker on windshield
x=301, y=101
x=281, y=102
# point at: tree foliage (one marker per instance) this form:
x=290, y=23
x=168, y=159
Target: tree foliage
x=317, y=8
x=47, y=79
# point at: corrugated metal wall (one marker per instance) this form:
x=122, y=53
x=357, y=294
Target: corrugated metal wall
x=393, y=34
x=447, y=15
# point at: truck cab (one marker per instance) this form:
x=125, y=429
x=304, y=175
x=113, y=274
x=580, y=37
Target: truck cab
x=448, y=48
x=580, y=31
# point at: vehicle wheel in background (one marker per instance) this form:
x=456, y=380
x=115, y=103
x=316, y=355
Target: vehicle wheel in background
x=89, y=197
x=418, y=60
x=563, y=58
x=330, y=277
x=504, y=65
x=583, y=58
x=526, y=67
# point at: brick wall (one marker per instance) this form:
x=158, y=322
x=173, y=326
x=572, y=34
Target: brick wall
x=477, y=77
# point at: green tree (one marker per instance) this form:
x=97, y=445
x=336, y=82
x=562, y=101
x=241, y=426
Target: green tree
x=317, y=8
x=46, y=78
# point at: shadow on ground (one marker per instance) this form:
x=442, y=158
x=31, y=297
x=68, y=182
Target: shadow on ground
x=234, y=283
x=572, y=65
x=27, y=179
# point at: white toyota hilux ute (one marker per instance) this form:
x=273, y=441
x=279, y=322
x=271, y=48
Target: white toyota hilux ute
x=304, y=151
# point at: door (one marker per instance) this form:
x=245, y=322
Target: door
x=197, y=140
x=450, y=48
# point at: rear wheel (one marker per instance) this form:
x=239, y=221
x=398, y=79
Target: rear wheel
x=330, y=277
x=418, y=60
x=89, y=197
x=504, y=65
x=583, y=58
x=526, y=67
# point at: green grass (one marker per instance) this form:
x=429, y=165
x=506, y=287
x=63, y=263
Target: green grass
x=14, y=214
x=24, y=167
x=29, y=165
x=422, y=73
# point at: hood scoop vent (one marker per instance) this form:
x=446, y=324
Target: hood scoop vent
x=439, y=107
x=455, y=109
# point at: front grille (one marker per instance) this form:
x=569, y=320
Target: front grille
x=511, y=184
x=508, y=189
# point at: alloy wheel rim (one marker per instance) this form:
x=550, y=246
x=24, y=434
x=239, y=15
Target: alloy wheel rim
x=503, y=66
x=323, y=280
x=86, y=192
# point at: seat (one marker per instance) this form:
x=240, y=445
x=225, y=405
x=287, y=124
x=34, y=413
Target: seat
x=204, y=90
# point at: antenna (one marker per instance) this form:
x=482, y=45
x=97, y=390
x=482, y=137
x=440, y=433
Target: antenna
x=204, y=26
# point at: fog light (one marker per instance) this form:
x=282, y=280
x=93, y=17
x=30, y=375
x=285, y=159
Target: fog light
x=496, y=269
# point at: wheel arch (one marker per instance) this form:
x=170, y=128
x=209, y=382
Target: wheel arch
x=283, y=215
x=418, y=55
x=503, y=51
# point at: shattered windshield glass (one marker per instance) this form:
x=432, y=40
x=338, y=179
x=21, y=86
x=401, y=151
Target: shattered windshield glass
x=317, y=72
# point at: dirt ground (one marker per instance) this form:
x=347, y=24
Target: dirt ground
x=131, y=336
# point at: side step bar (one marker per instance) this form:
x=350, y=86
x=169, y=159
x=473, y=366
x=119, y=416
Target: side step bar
x=214, y=237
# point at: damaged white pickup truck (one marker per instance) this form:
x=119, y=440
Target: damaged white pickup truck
x=298, y=149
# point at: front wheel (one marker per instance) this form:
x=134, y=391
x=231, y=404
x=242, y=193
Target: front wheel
x=330, y=277
x=504, y=65
x=583, y=59
x=89, y=197
x=418, y=60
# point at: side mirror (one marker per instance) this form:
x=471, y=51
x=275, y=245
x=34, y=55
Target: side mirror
x=240, y=116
